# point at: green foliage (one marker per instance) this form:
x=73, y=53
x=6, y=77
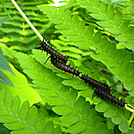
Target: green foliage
x=115, y=115
x=3, y=63
x=112, y=20
x=23, y=118
x=17, y=32
x=65, y=100
x=75, y=111
x=3, y=129
x=117, y=61
x=16, y=83
x=91, y=33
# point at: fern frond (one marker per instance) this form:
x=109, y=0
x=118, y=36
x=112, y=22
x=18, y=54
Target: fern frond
x=74, y=29
x=67, y=79
x=116, y=116
x=75, y=112
x=85, y=37
x=22, y=36
x=23, y=119
x=64, y=99
x=126, y=8
x=111, y=20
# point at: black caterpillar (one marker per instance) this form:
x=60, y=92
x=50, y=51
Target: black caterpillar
x=45, y=47
x=101, y=90
x=105, y=96
x=96, y=84
x=64, y=67
x=59, y=61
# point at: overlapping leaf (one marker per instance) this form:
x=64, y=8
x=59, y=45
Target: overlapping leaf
x=4, y=63
x=19, y=86
x=119, y=116
x=76, y=115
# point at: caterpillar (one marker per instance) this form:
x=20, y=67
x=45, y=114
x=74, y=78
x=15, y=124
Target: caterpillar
x=95, y=84
x=45, y=47
x=101, y=90
x=105, y=96
x=59, y=61
x=64, y=67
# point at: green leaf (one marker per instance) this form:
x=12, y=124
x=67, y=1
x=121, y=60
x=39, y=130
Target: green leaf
x=117, y=115
x=124, y=126
x=3, y=62
x=3, y=129
x=117, y=62
x=65, y=101
x=106, y=50
x=77, y=128
x=2, y=21
x=19, y=35
x=74, y=29
x=70, y=118
x=61, y=110
x=21, y=87
x=23, y=119
x=5, y=80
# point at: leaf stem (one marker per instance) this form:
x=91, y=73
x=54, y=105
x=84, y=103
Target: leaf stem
x=27, y=20
x=127, y=106
x=131, y=119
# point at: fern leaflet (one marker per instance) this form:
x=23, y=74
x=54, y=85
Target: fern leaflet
x=23, y=119
x=112, y=20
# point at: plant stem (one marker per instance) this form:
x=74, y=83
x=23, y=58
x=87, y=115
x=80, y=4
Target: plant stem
x=27, y=20
x=131, y=119
x=128, y=108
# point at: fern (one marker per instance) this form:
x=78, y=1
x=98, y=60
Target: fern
x=18, y=33
x=23, y=119
x=84, y=38
x=75, y=111
x=66, y=103
x=65, y=100
x=126, y=8
x=112, y=20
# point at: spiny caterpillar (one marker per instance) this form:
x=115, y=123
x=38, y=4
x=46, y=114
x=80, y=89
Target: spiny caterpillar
x=45, y=47
x=59, y=61
x=95, y=84
x=105, y=96
x=64, y=67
